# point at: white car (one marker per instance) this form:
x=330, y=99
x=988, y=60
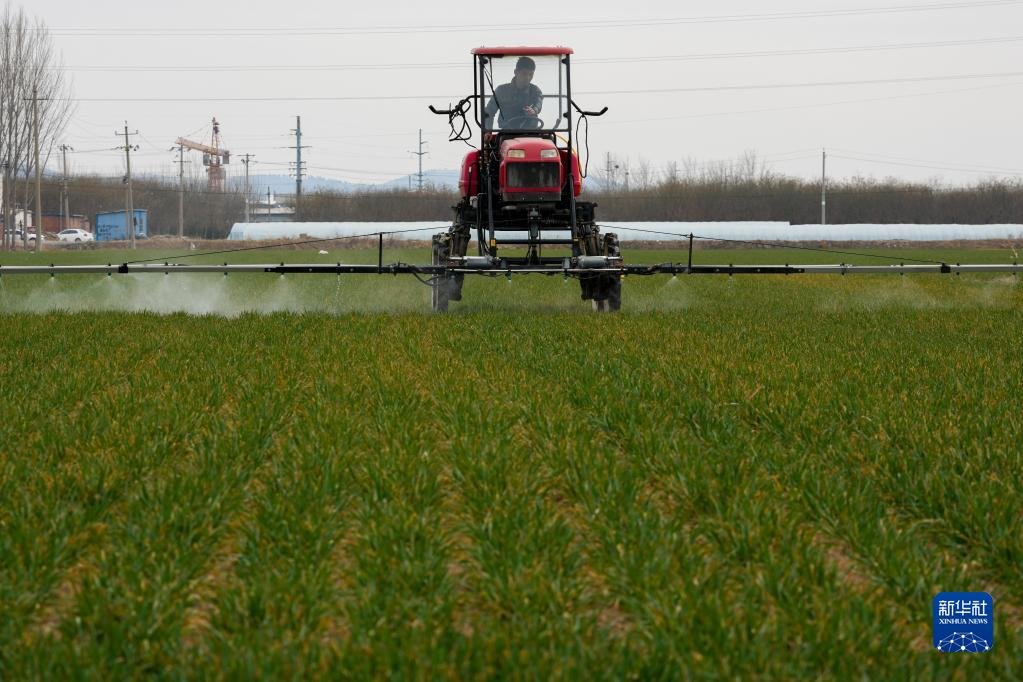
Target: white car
x=74, y=235
x=19, y=235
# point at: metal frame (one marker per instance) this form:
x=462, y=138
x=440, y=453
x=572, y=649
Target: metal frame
x=568, y=267
x=482, y=58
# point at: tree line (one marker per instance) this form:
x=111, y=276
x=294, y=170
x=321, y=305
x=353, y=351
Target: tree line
x=748, y=189
x=799, y=202
x=207, y=215
x=35, y=106
x=767, y=197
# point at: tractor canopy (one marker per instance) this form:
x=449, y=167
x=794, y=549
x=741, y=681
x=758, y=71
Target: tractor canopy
x=523, y=89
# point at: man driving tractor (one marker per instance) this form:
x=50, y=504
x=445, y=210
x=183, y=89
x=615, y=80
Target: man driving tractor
x=519, y=100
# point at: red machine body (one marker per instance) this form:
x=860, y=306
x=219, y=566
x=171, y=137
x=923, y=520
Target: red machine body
x=523, y=150
x=469, y=179
x=530, y=169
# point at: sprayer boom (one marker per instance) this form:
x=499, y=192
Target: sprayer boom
x=569, y=266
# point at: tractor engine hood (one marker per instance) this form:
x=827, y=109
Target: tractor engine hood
x=531, y=169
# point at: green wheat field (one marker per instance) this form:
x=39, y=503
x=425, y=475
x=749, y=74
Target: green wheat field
x=735, y=477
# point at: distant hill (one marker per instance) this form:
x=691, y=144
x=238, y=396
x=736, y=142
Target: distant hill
x=284, y=185
x=441, y=179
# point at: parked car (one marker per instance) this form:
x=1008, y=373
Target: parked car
x=74, y=235
x=19, y=235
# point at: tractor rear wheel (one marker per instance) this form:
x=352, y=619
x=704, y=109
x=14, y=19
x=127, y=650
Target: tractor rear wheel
x=610, y=286
x=614, y=290
x=615, y=299
x=440, y=291
x=613, y=302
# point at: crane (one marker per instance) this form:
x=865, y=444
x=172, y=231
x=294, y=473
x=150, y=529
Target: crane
x=213, y=157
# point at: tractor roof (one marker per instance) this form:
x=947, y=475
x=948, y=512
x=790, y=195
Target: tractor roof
x=516, y=51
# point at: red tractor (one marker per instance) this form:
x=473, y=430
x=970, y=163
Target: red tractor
x=520, y=185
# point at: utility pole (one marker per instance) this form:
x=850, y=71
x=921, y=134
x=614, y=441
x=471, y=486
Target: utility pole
x=268, y=216
x=299, y=168
x=824, y=186
x=129, y=217
x=247, y=159
x=65, y=203
x=181, y=190
x=29, y=215
x=3, y=200
x=39, y=175
x=420, y=154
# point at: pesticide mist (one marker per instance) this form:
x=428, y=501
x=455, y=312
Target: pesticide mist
x=209, y=294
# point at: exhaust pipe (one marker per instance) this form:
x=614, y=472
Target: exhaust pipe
x=476, y=262
x=597, y=262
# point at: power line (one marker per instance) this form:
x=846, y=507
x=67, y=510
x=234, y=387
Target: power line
x=648, y=91
x=808, y=84
x=803, y=51
x=925, y=165
x=976, y=167
x=814, y=105
x=710, y=56
x=95, y=151
x=309, y=31
x=346, y=137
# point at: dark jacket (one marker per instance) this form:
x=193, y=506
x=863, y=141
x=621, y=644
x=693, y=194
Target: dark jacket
x=511, y=101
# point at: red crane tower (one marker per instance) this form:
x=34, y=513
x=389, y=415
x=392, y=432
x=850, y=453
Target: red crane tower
x=213, y=157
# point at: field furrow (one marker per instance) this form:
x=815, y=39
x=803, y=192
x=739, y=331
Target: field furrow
x=733, y=478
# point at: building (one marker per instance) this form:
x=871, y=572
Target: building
x=267, y=210
x=110, y=225
x=55, y=222
x=22, y=218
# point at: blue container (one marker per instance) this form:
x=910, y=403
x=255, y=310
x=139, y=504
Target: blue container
x=110, y=225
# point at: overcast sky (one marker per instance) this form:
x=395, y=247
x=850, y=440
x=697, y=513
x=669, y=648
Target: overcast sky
x=682, y=80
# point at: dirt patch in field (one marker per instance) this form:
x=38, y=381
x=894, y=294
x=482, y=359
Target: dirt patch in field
x=850, y=572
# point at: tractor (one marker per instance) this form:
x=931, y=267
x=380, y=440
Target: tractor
x=520, y=185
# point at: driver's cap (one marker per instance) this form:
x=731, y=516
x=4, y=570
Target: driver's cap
x=525, y=64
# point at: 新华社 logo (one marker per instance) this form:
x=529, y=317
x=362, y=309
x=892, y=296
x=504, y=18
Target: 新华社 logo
x=963, y=622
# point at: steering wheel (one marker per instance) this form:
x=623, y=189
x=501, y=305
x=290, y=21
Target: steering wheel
x=524, y=121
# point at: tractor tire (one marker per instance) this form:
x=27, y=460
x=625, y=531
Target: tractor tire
x=440, y=291
x=608, y=297
x=613, y=302
x=614, y=289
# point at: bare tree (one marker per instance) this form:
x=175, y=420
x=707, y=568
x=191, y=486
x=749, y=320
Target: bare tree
x=607, y=175
x=643, y=176
x=29, y=67
x=671, y=175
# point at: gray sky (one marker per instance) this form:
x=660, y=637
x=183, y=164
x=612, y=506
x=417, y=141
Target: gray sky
x=937, y=129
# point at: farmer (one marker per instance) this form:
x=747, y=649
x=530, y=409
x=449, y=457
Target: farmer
x=519, y=101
